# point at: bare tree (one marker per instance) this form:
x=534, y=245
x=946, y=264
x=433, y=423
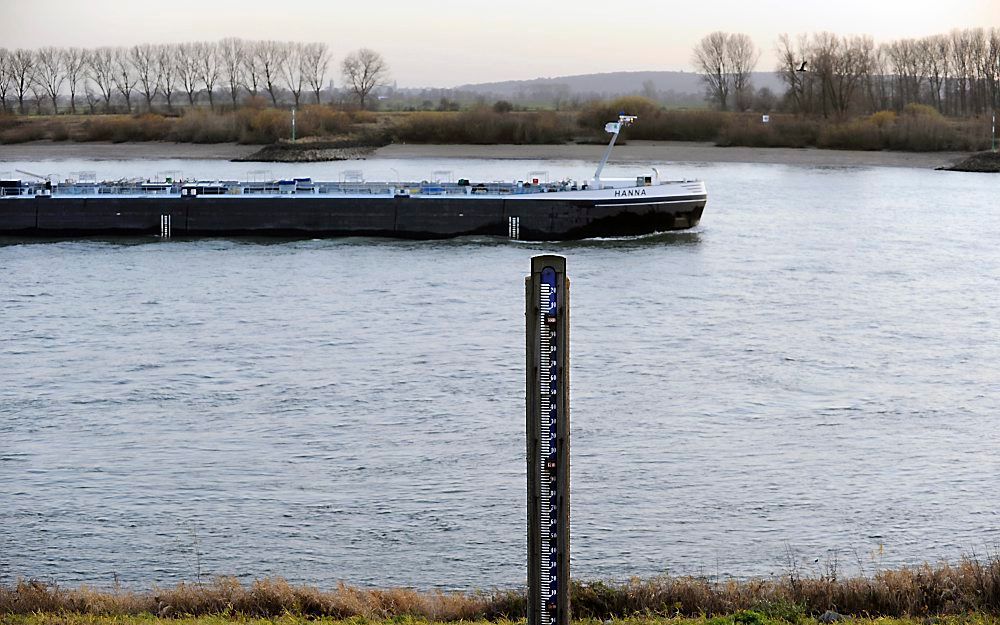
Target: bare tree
x=91, y=98
x=993, y=67
x=74, y=62
x=792, y=60
x=961, y=62
x=364, y=70
x=711, y=60
x=22, y=74
x=49, y=74
x=252, y=69
x=186, y=62
x=938, y=55
x=144, y=59
x=843, y=62
x=742, y=57
x=315, y=61
x=166, y=66
x=232, y=53
x=876, y=80
x=37, y=94
x=208, y=67
x=292, y=70
x=824, y=50
x=101, y=69
x=977, y=66
x=5, y=77
x=909, y=70
x=125, y=75
x=271, y=56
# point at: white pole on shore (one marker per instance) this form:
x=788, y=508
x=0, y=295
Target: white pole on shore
x=293, y=124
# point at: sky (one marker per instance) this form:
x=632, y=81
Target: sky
x=444, y=43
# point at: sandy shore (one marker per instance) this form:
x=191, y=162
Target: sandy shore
x=634, y=151
x=680, y=151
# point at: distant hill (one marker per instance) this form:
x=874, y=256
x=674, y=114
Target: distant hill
x=611, y=84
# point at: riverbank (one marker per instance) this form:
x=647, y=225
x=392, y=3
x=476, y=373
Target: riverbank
x=632, y=152
x=969, y=587
x=739, y=618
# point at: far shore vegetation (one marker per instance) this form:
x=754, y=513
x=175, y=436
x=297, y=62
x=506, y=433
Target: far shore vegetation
x=935, y=93
x=916, y=127
x=925, y=594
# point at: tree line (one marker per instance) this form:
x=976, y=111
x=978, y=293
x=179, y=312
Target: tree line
x=957, y=74
x=139, y=76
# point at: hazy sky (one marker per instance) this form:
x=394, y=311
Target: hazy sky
x=443, y=43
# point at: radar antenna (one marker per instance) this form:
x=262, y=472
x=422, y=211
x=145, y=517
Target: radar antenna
x=614, y=128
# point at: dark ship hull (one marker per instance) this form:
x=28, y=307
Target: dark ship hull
x=537, y=217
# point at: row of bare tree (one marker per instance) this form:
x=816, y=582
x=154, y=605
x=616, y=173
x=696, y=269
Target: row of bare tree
x=161, y=73
x=957, y=74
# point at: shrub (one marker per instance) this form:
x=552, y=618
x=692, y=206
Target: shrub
x=58, y=131
x=22, y=133
x=883, y=119
x=921, y=128
x=484, y=126
x=363, y=117
x=263, y=126
x=594, y=115
x=854, y=135
x=654, y=123
x=788, y=132
x=320, y=120
x=150, y=127
x=204, y=127
x=9, y=120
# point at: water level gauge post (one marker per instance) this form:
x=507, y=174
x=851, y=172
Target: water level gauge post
x=547, y=437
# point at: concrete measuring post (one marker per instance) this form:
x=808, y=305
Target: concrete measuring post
x=547, y=429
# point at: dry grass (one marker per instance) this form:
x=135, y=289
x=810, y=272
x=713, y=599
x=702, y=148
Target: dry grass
x=783, y=131
x=654, y=123
x=249, y=125
x=972, y=586
x=484, y=126
x=263, y=598
x=916, y=128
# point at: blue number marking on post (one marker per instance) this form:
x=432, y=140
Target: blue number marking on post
x=549, y=317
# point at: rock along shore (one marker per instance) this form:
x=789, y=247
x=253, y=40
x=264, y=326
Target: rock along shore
x=984, y=162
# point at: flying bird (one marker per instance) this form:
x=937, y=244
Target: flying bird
x=802, y=67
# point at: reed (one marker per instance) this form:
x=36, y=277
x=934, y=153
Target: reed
x=970, y=587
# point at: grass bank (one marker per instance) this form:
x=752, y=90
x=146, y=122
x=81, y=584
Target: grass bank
x=969, y=587
x=743, y=618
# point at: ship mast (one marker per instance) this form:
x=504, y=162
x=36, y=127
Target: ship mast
x=614, y=128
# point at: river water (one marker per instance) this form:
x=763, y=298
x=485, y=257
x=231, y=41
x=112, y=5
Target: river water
x=810, y=376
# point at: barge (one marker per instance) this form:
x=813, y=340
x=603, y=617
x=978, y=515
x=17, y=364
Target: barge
x=530, y=210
